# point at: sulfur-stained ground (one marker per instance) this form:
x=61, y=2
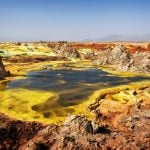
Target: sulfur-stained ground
x=110, y=118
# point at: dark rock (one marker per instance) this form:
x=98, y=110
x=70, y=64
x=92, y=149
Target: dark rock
x=3, y=72
x=89, y=128
x=103, y=130
x=41, y=146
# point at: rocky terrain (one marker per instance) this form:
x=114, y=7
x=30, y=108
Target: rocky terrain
x=131, y=57
x=124, y=60
x=125, y=57
x=120, y=115
x=119, y=123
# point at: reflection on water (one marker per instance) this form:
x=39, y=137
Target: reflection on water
x=67, y=87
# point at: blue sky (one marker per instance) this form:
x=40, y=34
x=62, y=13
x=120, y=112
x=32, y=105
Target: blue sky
x=33, y=20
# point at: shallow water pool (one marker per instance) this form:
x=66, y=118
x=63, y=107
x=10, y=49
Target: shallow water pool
x=50, y=95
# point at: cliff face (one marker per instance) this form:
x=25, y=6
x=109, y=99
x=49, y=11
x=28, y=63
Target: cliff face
x=3, y=72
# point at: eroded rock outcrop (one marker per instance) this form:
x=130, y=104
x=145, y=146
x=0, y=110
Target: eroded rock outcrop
x=138, y=62
x=125, y=57
x=66, y=50
x=124, y=60
x=112, y=56
x=3, y=72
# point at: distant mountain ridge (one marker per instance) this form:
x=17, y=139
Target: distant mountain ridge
x=109, y=38
x=125, y=38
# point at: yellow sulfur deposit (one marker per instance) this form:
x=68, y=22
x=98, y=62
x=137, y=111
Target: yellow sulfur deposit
x=18, y=103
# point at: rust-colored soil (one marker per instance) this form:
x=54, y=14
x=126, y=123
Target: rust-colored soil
x=14, y=133
x=33, y=59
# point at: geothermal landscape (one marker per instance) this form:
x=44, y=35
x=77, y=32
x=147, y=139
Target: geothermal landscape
x=74, y=95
